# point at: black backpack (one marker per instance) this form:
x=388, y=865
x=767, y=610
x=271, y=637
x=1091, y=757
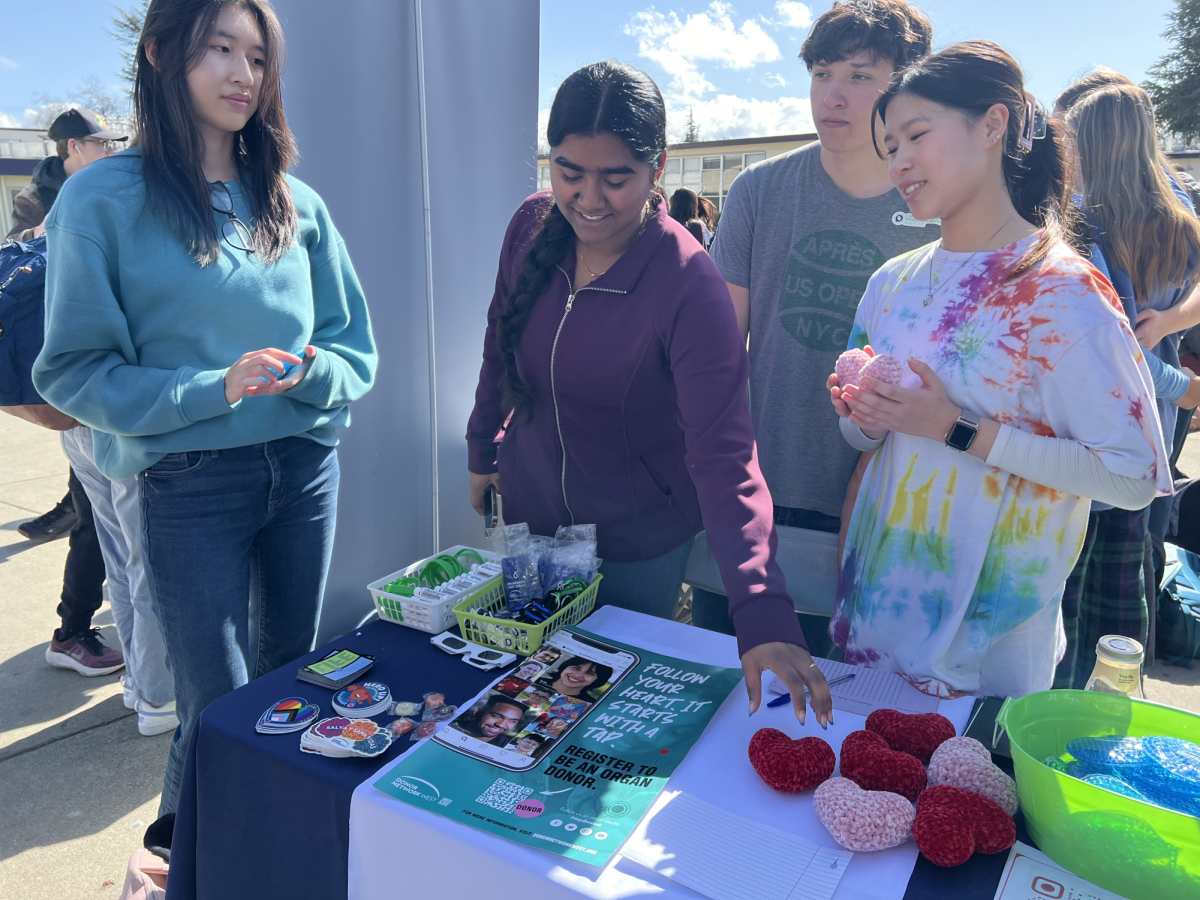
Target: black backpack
x=22, y=318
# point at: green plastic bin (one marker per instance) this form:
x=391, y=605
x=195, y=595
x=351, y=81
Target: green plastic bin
x=1138, y=850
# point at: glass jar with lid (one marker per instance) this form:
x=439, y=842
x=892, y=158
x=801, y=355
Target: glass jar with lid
x=1118, y=668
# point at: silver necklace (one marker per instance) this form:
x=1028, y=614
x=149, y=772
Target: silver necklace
x=930, y=292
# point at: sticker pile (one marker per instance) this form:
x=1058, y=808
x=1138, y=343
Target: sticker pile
x=286, y=716
x=343, y=737
x=367, y=698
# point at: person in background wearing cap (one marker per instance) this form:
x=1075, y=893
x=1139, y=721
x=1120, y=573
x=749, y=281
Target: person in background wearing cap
x=81, y=138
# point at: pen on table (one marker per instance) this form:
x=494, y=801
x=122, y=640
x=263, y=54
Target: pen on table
x=787, y=698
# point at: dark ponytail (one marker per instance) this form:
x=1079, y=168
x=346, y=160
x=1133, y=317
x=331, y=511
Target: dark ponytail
x=607, y=97
x=974, y=76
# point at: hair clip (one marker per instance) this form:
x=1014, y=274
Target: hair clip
x=1033, y=128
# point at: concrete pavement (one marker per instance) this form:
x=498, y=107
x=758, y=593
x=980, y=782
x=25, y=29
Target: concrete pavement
x=78, y=784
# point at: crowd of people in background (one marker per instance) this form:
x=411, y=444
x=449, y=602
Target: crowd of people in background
x=650, y=365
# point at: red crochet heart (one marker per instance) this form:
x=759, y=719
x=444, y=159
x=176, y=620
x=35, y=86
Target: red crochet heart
x=917, y=735
x=787, y=765
x=951, y=824
x=873, y=766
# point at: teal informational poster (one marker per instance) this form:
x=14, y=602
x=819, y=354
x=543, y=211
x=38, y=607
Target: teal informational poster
x=567, y=752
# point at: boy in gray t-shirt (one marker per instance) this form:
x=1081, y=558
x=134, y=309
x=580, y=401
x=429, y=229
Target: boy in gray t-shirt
x=799, y=237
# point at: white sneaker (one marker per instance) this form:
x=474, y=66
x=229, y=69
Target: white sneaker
x=129, y=694
x=154, y=720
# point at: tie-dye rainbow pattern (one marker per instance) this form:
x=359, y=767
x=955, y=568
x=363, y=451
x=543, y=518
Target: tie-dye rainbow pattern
x=953, y=569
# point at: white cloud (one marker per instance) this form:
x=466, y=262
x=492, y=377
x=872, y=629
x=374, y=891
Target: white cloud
x=709, y=36
x=792, y=14
x=7, y=121
x=774, y=80
x=8, y=63
x=727, y=116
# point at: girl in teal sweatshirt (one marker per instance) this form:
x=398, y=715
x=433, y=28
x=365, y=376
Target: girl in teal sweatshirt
x=181, y=274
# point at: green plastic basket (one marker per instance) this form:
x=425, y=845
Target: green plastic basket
x=1138, y=850
x=510, y=636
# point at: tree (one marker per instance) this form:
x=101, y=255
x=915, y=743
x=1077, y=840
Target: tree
x=1174, y=85
x=91, y=94
x=127, y=32
x=693, y=130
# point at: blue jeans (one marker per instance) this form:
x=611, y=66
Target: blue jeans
x=117, y=511
x=223, y=527
x=650, y=586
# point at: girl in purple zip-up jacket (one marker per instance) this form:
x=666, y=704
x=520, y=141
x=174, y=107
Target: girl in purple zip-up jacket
x=613, y=345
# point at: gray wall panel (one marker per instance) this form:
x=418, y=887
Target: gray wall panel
x=481, y=61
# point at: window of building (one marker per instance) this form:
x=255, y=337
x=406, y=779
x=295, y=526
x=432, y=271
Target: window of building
x=543, y=182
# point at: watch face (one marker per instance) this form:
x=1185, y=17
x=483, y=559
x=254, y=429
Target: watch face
x=961, y=436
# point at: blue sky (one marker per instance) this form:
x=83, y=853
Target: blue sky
x=735, y=63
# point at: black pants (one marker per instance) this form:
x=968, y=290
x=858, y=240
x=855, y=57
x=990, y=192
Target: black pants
x=83, y=579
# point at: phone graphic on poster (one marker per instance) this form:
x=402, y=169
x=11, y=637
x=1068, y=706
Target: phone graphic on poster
x=526, y=713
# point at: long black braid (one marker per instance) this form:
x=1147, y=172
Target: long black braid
x=603, y=97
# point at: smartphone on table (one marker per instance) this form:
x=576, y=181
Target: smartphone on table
x=529, y=711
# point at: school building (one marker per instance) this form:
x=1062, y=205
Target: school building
x=709, y=167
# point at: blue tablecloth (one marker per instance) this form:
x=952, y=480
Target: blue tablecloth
x=259, y=819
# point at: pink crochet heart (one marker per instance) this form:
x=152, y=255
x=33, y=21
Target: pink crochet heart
x=862, y=820
x=885, y=368
x=965, y=763
x=849, y=364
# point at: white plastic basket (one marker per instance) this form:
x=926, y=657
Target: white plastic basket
x=433, y=616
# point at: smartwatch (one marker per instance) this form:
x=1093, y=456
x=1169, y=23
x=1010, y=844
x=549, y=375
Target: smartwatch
x=962, y=433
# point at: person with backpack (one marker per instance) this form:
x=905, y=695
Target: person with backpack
x=81, y=138
x=1024, y=394
x=613, y=364
x=199, y=266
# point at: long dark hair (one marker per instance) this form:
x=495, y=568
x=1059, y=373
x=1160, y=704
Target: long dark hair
x=607, y=97
x=972, y=77
x=171, y=145
x=685, y=206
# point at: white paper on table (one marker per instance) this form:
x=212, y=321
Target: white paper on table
x=1030, y=874
x=868, y=690
x=729, y=857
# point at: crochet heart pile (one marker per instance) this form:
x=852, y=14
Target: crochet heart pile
x=917, y=735
x=964, y=803
x=854, y=365
x=870, y=763
x=965, y=763
x=787, y=765
x=951, y=824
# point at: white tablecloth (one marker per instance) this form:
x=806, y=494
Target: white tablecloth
x=400, y=850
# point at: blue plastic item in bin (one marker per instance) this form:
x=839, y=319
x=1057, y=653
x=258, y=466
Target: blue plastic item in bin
x=1114, y=752
x=1081, y=770
x=1173, y=762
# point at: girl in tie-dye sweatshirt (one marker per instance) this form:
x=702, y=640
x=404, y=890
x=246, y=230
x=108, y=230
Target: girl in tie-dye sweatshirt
x=955, y=559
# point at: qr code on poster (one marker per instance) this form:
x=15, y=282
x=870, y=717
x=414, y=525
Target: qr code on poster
x=504, y=795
